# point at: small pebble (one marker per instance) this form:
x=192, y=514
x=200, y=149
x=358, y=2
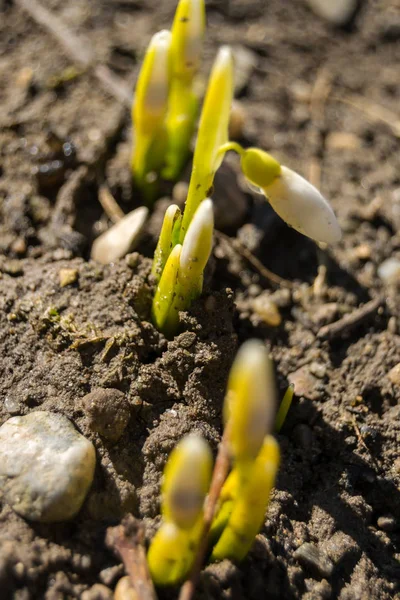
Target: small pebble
x=237, y=120
x=68, y=276
x=46, y=466
x=11, y=405
x=267, y=310
x=394, y=374
x=304, y=383
x=387, y=523
x=312, y=558
x=124, y=590
x=98, y=591
x=245, y=61
x=343, y=140
x=337, y=12
x=107, y=411
x=110, y=574
x=318, y=369
x=121, y=238
x=179, y=192
x=132, y=260
x=389, y=270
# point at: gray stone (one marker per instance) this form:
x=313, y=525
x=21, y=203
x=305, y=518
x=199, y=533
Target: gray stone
x=311, y=557
x=46, y=466
x=121, y=238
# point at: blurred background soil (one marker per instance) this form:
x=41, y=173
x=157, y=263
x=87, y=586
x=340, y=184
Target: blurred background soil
x=323, y=98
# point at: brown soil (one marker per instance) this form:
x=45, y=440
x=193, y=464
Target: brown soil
x=338, y=486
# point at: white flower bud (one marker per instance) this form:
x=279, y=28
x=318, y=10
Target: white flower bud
x=303, y=207
x=197, y=245
x=158, y=84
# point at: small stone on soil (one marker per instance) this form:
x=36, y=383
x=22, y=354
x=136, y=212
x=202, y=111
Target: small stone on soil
x=107, y=411
x=338, y=12
x=46, y=466
x=387, y=523
x=312, y=558
x=121, y=238
x=394, y=374
x=124, y=590
x=68, y=277
x=389, y=271
x=98, y=592
x=304, y=383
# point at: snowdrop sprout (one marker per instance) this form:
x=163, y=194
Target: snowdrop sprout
x=187, y=478
x=250, y=403
x=187, y=37
x=168, y=238
x=247, y=508
x=212, y=134
x=149, y=111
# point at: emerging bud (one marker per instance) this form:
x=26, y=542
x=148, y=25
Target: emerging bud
x=187, y=37
x=164, y=295
x=187, y=478
x=197, y=246
x=248, y=509
x=167, y=240
x=170, y=555
x=303, y=207
x=151, y=95
x=250, y=402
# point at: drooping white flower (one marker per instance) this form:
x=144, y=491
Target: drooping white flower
x=303, y=207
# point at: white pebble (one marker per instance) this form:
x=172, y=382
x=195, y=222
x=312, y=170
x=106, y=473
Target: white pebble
x=121, y=238
x=46, y=466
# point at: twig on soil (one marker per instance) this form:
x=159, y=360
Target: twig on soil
x=348, y=322
x=253, y=260
x=67, y=197
x=219, y=476
x=319, y=96
x=77, y=49
x=127, y=542
x=109, y=204
x=374, y=111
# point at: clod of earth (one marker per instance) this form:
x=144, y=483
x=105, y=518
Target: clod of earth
x=46, y=466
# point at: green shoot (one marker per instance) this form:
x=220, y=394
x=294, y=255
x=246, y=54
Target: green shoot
x=242, y=498
x=167, y=240
x=181, y=281
x=249, y=505
x=213, y=133
x=187, y=36
x=186, y=480
x=284, y=408
x=250, y=402
x=148, y=114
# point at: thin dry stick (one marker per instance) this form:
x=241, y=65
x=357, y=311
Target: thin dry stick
x=77, y=49
x=348, y=322
x=127, y=541
x=373, y=111
x=109, y=204
x=220, y=474
x=254, y=261
x=318, y=99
